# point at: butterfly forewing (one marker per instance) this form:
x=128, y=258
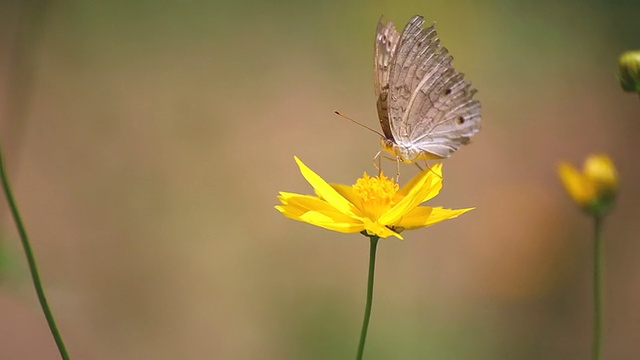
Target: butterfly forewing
x=385, y=46
x=430, y=105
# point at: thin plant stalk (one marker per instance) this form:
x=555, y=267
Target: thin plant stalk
x=33, y=268
x=596, y=350
x=367, y=310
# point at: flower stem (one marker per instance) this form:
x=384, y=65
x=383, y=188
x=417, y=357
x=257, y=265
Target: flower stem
x=596, y=349
x=32, y=262
x=367, y=310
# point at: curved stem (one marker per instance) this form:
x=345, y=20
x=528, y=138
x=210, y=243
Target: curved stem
x=596, y=349
x=32, y=262
x=367, y=311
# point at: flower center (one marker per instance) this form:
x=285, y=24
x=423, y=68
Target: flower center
x=375, y=194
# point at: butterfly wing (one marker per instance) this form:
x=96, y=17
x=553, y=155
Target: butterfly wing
x=387, y=39
x=431, y=106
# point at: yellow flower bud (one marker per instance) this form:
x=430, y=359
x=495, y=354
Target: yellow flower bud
x=596, y=187
x=629, y=71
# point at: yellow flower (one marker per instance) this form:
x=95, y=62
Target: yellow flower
x=375, y=206
x=629, y=71
x=595, y=188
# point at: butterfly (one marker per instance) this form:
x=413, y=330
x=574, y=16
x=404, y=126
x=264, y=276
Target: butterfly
x=426, y=108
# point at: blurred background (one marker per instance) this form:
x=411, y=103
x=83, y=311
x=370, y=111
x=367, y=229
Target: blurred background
x=147, y=142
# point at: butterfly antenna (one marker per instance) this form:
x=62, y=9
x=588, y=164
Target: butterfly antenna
x=357, y=123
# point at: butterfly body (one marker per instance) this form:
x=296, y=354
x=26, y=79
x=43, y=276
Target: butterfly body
x=406, y=153
x=425, y=107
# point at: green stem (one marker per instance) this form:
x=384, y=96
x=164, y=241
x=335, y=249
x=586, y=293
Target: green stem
x=596, y=349
x=367, y=310
x=32, y=262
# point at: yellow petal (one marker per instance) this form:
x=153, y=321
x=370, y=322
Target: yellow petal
x=434, y=178
x=346, y=191
x=317, y=212
x=415, y=218
x=285, y=196
x=434, y=184
x=380, y=230
x=423, y=216
x=581, y=190
x=326, y=191
x=332, y=222
x=297, y=204
x=425, y=185
x=431, y=186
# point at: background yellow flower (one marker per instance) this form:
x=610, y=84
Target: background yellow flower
x=593, y=188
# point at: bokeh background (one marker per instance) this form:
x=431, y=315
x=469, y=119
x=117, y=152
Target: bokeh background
x=147, y=141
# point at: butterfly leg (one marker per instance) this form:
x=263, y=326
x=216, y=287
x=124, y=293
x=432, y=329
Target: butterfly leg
x=378, y=166
x=426, y=163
